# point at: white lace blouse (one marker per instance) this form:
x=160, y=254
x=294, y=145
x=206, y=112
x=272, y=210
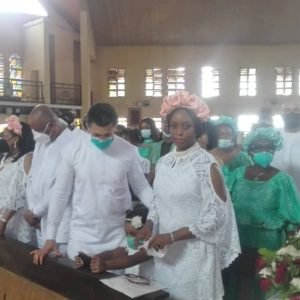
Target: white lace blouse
x=13, y=197
x=186, y=197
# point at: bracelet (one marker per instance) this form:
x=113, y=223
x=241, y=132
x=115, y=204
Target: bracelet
x=172, y=237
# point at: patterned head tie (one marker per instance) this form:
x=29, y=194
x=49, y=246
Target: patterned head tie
x=226, y=120
x=263, y=133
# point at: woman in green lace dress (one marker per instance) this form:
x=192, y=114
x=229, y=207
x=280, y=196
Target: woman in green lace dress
x=267, y=207
x=229, y=155
x=149, y=135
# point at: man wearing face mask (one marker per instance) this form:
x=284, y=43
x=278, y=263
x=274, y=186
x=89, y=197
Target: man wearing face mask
x=52, y=137
x=99, y=170
x=287, y=159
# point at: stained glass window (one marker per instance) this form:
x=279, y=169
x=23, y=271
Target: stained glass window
x=15, y=75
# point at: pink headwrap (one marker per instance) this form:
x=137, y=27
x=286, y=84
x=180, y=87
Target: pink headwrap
x=14, y=125
x=184, y=99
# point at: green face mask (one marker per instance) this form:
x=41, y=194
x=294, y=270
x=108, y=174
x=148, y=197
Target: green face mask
x=131, y=242
x=263, y=159
x=102, y=144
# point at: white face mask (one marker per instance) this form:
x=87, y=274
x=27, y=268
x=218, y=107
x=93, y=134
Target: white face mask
x=42, y=138
x=146, y=133
x=225, y=143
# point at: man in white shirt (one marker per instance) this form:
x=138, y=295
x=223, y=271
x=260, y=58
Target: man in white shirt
x=287, y=159
x=52, y=137
x=98, y=170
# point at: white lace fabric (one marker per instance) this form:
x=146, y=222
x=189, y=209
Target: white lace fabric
x=186, y=198
x=13, y=197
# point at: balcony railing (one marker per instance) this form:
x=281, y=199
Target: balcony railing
x=67, y=94
x=21, y=90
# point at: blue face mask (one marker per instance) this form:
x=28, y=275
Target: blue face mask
x=102, y=144
x=263, y=159
x=146, y=133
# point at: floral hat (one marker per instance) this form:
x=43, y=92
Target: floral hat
x=14, y=125
x=266, y=133
x=186, y=100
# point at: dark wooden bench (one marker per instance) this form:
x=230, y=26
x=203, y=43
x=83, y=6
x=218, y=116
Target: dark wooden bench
x=55, y=279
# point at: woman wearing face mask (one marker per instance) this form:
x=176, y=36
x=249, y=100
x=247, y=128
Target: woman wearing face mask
x=195, y=215
x=17, y=139
x=227, y=152
x=267, y=207
x=149, y=135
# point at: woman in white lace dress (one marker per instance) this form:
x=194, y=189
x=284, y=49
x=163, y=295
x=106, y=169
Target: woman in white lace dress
x=196, y=218
x=14, y=168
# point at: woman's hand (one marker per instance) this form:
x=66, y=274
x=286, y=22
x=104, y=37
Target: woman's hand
x=78, y=262
x=97, y=264
x=160, y=241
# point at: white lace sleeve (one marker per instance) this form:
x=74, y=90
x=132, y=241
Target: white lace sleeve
x=17, y=190
x=211, y=220
x=217, y=223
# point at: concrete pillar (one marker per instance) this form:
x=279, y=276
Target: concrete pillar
x=46, y=67
x=85, y=52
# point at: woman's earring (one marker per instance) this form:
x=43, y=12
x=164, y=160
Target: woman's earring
x=15, y=144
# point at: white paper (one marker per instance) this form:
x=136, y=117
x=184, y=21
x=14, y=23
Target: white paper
x=133, y=290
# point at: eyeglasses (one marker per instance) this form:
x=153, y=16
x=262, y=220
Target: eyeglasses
x=137, y=279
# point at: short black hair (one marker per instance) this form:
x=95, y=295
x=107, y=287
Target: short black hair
x=139, y=210
x=198, y=126
x=102, y=114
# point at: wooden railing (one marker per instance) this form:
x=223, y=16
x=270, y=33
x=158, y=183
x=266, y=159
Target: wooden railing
x=20, y=279
x=20, y=90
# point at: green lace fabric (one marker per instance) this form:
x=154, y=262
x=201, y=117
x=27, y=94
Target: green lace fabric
x=240, y=160
x=145, y=148
x=265, y=210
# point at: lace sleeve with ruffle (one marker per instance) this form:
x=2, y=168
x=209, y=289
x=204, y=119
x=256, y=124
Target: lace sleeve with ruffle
x=217, y=223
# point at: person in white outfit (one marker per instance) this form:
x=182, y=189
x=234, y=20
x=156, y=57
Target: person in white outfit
x=287, y=159
x=98, y=170
x=52, y=137
x=196, y=218
x=18, y=144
